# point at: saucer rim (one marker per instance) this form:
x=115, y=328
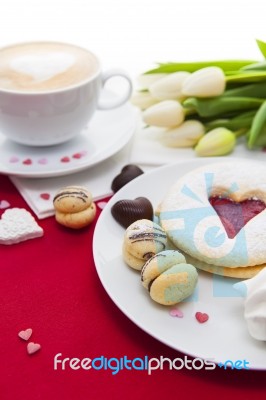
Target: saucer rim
x=117, y=144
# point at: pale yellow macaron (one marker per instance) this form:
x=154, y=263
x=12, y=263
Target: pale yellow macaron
x=143, y=239
x=74, y=207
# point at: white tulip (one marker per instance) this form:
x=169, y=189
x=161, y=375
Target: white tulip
x=217, y=142
x=143, y=100
x=169, y=87
x=185, y=135
x=164, y=114
x=206, y=82
x=146, y=80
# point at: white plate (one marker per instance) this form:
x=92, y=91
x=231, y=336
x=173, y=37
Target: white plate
x=223, y=337
x=107, y=133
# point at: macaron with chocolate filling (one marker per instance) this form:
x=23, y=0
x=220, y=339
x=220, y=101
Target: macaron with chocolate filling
x=72, y=199
x=159, y=263
x=74, y=207
x=169, y=278
x=142, y=240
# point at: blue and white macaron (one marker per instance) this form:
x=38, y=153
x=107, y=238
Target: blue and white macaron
x=168, y=277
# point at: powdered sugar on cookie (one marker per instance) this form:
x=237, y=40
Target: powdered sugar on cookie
x=193, y=225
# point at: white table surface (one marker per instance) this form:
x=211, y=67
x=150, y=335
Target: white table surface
x=134, y=34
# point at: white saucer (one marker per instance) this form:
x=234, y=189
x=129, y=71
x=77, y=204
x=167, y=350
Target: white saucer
x=107, y=133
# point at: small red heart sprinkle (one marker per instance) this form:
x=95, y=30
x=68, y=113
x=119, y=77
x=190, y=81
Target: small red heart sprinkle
x=45, y=196
x=201, y=317
x=175, y=312
x=27, y=161
x=65, y=159
x=25, y=335
x=4, y=204
x=33, y=347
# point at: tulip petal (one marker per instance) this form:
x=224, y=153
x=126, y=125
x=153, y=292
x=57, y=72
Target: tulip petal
x=206, y=82
x=167, y=113
x=185, y=135
x=169, y=87
x=143, y=100
x=218, y=142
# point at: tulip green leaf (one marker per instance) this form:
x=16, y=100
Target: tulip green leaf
x=260, y=66
x=243, y=120
x=257, y=126
x=262, y=47
x=221, y=105
x=261, y=139
x=225, y=65
x=251, y=90
x=246, y=77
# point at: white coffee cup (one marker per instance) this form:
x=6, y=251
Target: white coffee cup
x=49, y=91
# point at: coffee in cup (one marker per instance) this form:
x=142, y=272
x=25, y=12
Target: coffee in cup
x=49, y=91
x=41, y=67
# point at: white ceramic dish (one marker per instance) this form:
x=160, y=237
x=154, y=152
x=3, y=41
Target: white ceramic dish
x=107, y=133
x=223, y=337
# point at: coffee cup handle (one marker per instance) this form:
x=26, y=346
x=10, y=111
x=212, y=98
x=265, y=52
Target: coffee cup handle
x=113, y=103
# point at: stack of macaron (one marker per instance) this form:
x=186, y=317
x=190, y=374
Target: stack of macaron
x=164, y=273
x=74, y=207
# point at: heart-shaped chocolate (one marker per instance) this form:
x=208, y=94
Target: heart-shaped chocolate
x=127, y=174
x=125, y=212
x=233, y=215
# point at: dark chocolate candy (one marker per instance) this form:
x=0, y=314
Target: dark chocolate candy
x=125, y=212
x=127, y=174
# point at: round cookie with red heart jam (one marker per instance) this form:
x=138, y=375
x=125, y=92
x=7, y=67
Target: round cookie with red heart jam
x=217, y=214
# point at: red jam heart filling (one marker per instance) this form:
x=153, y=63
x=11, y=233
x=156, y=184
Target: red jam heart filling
x=235, y=215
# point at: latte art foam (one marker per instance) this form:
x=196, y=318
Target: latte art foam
x=43, y=67
x=40, y=67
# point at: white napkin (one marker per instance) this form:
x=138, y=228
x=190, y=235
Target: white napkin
x=39, y=193
x=148, y=150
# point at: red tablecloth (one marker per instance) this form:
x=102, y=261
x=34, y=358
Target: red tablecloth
x=50, y=284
